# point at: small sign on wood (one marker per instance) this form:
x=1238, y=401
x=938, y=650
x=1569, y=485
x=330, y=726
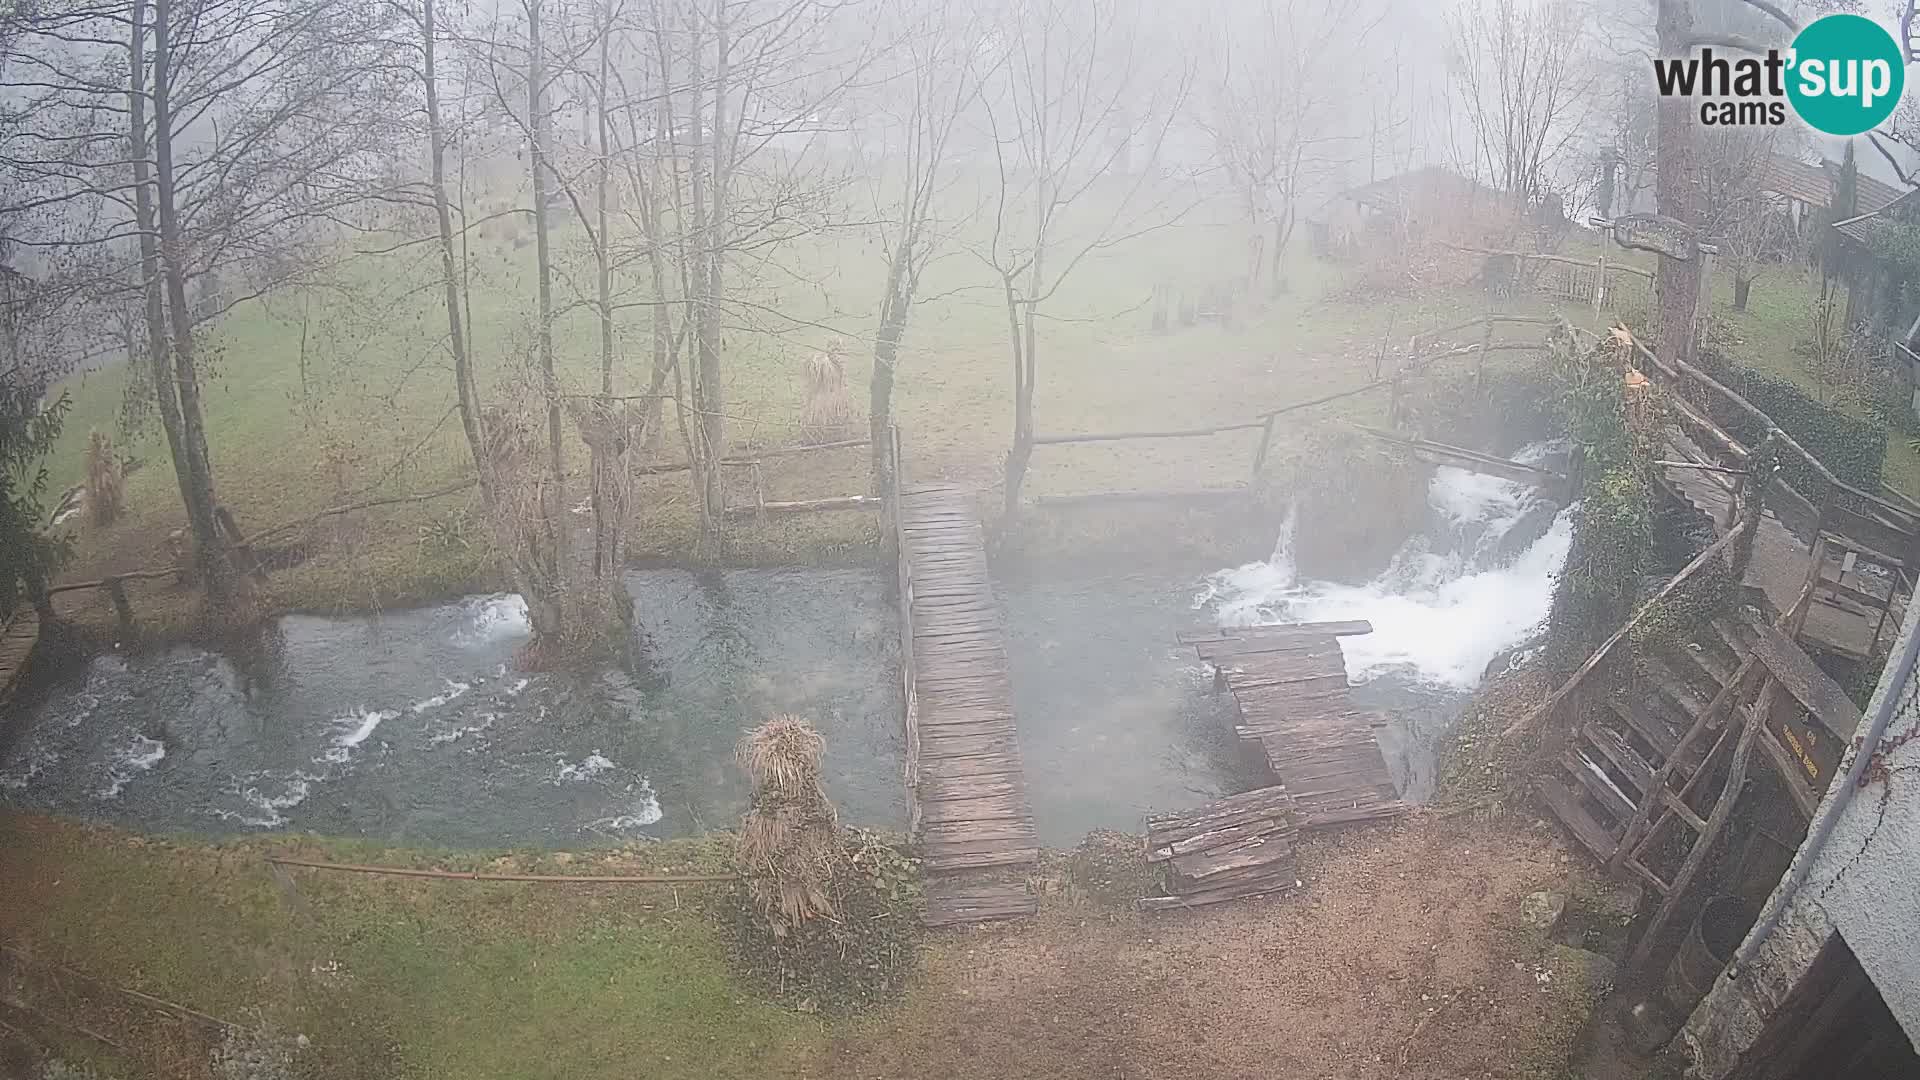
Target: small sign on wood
x=1653, y=232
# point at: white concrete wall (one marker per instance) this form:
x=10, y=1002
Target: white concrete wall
x=1865, y=883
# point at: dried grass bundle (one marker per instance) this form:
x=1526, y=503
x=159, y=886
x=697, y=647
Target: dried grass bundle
x=105, y=480
x=789, y=848
x=827, y=413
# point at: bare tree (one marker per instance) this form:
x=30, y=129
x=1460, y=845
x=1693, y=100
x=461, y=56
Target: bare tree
x=1075, y=91
x=1277, y=108
x=938, y=78
x=1526, y=83
x=1735, y=213
x=216, y=137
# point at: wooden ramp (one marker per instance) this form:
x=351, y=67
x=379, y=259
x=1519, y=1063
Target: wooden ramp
x=971, y=820
x=1289, y=684
x=17, y=639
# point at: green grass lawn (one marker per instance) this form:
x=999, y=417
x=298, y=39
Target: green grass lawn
x=395, y=977
x=320, y=396
x=1779, y=316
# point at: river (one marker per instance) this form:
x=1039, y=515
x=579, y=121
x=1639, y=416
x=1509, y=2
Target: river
x=413, y=727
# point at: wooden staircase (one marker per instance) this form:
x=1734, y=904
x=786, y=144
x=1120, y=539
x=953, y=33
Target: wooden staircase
x=1637, y=764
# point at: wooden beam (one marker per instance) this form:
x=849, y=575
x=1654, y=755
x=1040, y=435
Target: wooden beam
x=1121, y=436
x=1526, y=723
x=1811, y=687
x=1238, y=491
x=1471, y=460
x=1342, y=628
x=808, y=506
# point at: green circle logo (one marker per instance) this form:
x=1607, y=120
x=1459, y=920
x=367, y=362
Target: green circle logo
x=1847, y=74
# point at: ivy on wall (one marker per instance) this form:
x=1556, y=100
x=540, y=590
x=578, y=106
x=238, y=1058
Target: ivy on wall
x=1612, y=536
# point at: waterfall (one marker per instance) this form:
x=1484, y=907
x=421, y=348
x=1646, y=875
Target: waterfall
x=1453, y=598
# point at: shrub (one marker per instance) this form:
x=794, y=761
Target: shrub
x=1852, y=447
x=865, y=952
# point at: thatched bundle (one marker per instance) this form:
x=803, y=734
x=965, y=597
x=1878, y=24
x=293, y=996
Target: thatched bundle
x=104, y=480
x=827, y=413
x=789, y=849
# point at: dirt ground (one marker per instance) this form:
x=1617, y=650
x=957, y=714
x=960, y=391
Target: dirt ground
x=1402, y=955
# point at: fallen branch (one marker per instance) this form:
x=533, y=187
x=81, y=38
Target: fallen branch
x=464, y=875
x=171, y=1006
x=131, y=575
x=364, y=504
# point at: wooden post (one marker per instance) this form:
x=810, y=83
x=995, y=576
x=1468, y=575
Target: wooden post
x=1480, y=361
x=122, y=610
x=1266, y=442
x=759, y=495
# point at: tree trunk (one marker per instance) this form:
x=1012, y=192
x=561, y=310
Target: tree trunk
x=209, y=552
x=554, y=504
x=1022, y=449
x=159, y=354
x=1742, y=285
x=886, y=356
x=713, y=398
x=1677, y=285
x=467, y=397
x=607, y=508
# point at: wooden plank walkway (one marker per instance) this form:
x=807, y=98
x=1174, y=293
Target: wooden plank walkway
x=17, y=639
x=971, y=818
x=1289, y=684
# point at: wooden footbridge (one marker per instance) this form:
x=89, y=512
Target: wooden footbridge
x=970, y=819
x=17, y=638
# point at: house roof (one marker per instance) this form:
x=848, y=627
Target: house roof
x=1394, y=191
x=1812, y=183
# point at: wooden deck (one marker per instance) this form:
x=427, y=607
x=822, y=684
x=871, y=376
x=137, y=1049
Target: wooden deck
x=1289, y=684
x=17, y=639
x=971, y=820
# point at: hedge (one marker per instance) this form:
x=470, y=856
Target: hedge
x=1852, y=447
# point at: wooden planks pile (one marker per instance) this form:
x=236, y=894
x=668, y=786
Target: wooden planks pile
x=17, y=639
x=1289, y=684
x=971, y=819
x=1237, y=847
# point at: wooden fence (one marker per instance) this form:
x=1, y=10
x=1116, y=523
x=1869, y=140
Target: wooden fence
x=1422, y=351
x=903, y=580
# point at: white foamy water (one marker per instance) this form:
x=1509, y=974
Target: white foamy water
x=491, y=618
x=484, y=721
x=453, y=691
x=646, y=811
x=130, y=761
x=590, y=766
x=264, y=803
x=1440, y=616
x=363, y=722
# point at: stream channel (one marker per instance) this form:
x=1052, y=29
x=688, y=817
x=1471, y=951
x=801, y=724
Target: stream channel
x=412, y=726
